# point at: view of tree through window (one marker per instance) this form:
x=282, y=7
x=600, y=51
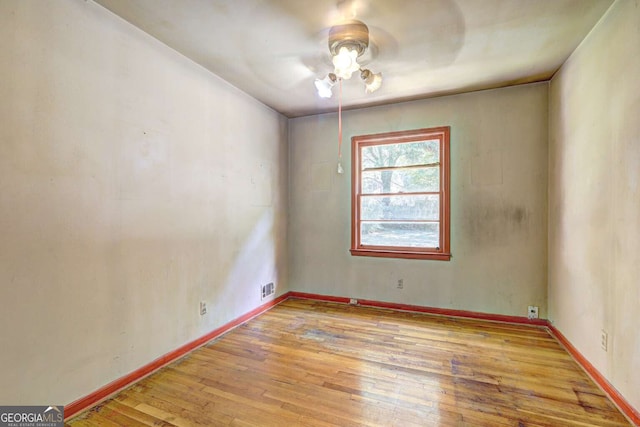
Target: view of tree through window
x=399, y=194
x=392, y=214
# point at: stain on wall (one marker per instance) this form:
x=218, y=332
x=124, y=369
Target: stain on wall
x=494, y=222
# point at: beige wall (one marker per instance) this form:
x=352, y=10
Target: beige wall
x=499, y=205
x=594, y=197
x=133, y=184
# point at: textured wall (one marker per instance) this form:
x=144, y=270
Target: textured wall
x=133, y=184
x=594, y=198
x=498, y=208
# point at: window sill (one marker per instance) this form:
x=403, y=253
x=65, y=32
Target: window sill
x=386, y=253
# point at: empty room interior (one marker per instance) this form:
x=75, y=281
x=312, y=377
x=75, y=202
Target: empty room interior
x=362, y=212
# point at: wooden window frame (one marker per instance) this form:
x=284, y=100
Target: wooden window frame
x=442, y=134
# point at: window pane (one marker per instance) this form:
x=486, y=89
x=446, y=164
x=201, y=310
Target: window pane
x=413, y=235
x=403, y=154
x=401, y=180
x=425, y=207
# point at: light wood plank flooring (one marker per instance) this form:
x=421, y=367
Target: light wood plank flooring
x=309, y=363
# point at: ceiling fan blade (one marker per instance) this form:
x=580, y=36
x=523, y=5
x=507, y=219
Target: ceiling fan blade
x=289, y=70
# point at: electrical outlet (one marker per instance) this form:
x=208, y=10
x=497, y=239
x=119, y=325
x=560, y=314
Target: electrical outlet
x=353, y=301
x=400, y=283
x=604, y=340
x=203, y=308
x=532, y=312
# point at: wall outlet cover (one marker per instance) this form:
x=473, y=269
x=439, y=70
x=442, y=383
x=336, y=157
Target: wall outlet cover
x=203, y=308
x=604, y=340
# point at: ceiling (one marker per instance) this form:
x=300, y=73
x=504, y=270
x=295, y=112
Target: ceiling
x=274, y=49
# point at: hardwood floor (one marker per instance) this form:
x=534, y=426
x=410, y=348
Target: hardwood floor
x=308, y=363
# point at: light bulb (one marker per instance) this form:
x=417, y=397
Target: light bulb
x=346, y=62
x=324, y=90
x=324, y=85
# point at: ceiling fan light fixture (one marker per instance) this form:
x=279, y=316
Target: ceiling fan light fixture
x=323, y=86
x=347, y=42
x=372, y=81
x=346, y=62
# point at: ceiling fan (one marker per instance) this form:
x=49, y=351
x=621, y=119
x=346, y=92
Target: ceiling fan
x=348, y=41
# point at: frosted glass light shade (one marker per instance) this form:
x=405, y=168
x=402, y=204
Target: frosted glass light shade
x=323, y=86
x=346, y=62
x=372, y=81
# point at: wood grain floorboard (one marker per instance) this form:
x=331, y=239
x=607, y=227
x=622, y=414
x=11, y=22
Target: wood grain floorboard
x=311, y=363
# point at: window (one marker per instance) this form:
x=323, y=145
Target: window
x=400, y=194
